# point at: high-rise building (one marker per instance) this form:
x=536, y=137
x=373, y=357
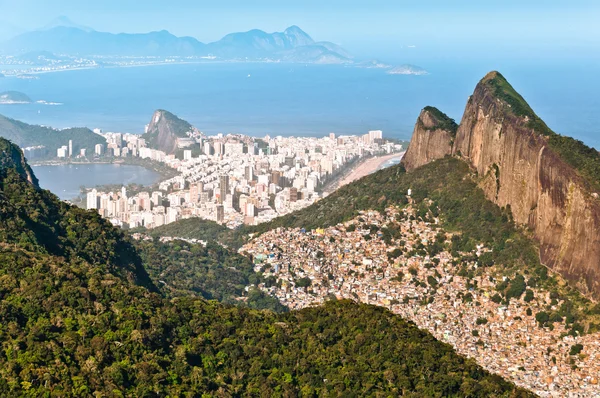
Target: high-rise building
x=220, y=213
x=187, y=154
x=223, y=187
x=249, y=173
x=70, y=148
x=375, y=135
x=92, y=200
x=293, y=194
x=82, y=152
x=62, y=152
x=99, y=149
x=207, y=148
x=194, y=193
x=157, y=198
x=275, y=177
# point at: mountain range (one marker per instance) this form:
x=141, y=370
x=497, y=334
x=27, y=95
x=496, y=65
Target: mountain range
x=65, y=37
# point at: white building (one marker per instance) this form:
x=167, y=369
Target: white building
x=62, y=152
x=92, y=200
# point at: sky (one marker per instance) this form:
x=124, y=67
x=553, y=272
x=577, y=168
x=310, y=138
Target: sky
x=430, y=28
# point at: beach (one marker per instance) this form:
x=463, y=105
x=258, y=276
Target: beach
x=364, y=168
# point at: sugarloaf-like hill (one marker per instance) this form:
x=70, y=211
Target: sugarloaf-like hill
x=165, y=130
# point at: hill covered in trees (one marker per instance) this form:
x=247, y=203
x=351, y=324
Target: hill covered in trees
x=25, y=135
x=79, y=316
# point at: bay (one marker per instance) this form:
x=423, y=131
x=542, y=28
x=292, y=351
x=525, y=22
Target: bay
x=295, y=99
x=65, y=180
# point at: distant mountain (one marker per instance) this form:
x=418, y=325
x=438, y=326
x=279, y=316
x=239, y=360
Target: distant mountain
x=14, y=97
x=257, y=43
x=26, y=135
x=65, y=37
x=407, y=69
x=65, y=22
x=164, y=130
x=74, y=41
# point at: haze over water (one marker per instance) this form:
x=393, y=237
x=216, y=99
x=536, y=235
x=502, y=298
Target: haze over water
x=297, y=99
x=66, y=180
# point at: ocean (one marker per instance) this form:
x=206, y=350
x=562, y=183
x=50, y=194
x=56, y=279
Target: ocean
x=293, y=99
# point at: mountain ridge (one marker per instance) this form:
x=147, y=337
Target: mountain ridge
x=291, y=45
x=547, y=180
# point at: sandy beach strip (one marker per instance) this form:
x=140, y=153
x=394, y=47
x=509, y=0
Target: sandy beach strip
x=363, y=169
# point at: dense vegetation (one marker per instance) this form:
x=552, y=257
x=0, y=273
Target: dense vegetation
x=195, y=228
x=584, y=159
x=212, y=272
x=79, y=317
x=36, y=221
x=26, y=135
x=443, y=121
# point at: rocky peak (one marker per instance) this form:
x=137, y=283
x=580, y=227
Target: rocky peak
x=297, y=36
x=11, y=157
x=432, y=138
x=546, y=179
x=164, y=130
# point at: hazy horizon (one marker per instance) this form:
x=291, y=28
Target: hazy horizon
x=543, y=30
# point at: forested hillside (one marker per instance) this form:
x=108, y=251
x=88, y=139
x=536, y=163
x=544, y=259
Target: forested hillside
x=25, y=135
x=80, y=317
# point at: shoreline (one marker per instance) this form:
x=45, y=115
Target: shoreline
x=198, y=62
x=362, y=169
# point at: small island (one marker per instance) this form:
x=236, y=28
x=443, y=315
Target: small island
x=407, y=69
x=14, y=97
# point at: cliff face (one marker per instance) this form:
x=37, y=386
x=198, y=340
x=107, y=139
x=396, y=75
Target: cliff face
x=164, y=130
x=510, y=148
x=432, y=139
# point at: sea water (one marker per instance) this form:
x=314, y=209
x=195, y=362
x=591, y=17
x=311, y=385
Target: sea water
x=297, y=99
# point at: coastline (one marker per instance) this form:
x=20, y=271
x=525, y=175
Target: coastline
x=195, y=62
x=362, y=169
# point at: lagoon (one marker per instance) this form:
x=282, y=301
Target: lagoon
x=65, y=180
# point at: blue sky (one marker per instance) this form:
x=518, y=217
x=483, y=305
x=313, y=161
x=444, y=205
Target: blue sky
x=437, y=28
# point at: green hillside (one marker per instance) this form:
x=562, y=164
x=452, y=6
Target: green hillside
x=25, y=135
x=211, y=272
x=80, y=317
x=196, y=228
x=443, y=121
